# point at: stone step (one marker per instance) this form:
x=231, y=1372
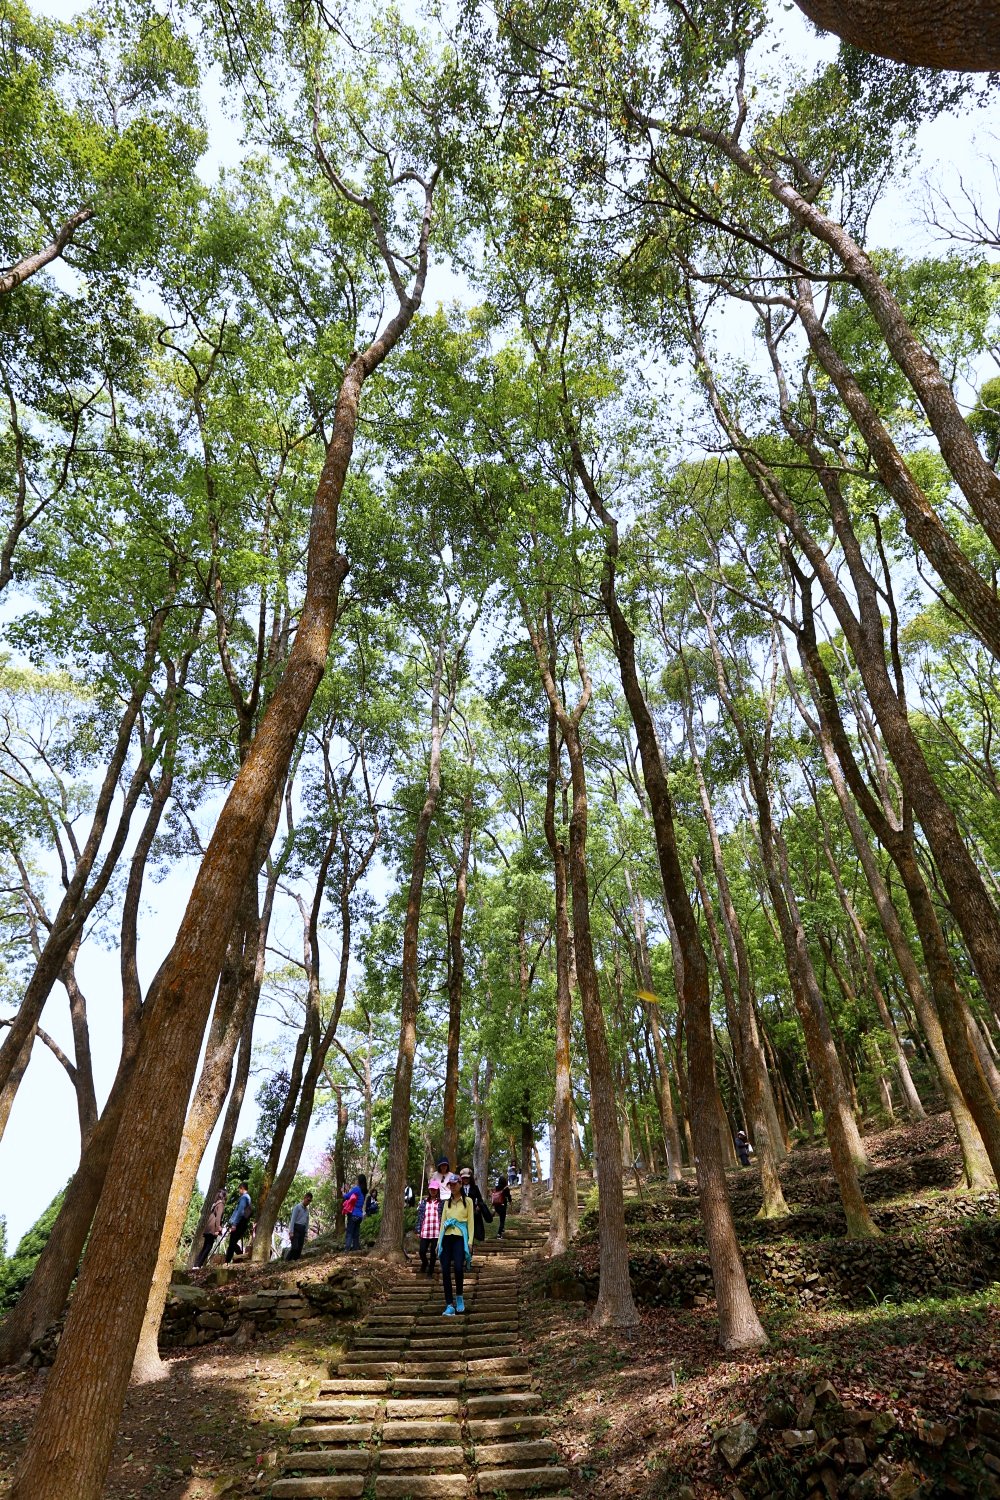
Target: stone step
x=351, y=1409
x=354, y=1387
x=331, y=1432
x=421, y=1487
x=505, y=1365
x=434, y=1459
x=497, y=1481
x=335, y=1433
x=489, y=1430
x=319, y=1488
x=430, y=1406
x=368, y=1367
x=331, y=1461
x=434, y=1368
x=507, y=1404
x=421, y=1430
x=423, y=1385
x=498, y=1382
x=491, y=1351
x=517, y=1455
x=325, y=1460
x=333, y=1409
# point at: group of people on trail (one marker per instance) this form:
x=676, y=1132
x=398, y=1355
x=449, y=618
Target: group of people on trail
x=240, y=1224
x=451, y=1217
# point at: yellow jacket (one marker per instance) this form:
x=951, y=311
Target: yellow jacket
x=462, y=1212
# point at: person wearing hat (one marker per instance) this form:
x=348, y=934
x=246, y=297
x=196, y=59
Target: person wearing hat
x=454, y=1242
x=429, y=1226
x=479, y=1210
x=443, y=1167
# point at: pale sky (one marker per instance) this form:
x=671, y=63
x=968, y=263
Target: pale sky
x=41, y=1145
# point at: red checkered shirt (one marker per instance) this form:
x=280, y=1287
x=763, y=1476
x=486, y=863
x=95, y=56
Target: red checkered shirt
x=431, y=1227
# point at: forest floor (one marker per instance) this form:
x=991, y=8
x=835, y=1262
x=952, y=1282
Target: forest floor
x=215, y=1426
x=899, y=1397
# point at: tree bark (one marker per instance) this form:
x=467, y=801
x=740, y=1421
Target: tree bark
x=227, y=1136
x=748, y=1062
x=456, y=976
x=739, y=1325
x=239, y=986
x=562, y=1221
x=963, y=35
x=390, y=1236
x=615, y=1306
x=14, y=276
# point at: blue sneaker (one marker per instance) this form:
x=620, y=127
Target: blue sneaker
x=460, y=1304
x=449, y=1311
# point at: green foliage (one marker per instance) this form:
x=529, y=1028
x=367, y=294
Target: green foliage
x=15, y=1270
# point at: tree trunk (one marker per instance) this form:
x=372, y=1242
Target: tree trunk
x=615, y=1306
x=961, y=35
x=664, y=1097
x=975, y=1160
x=739, y=1325
x=340, y=1147
x=456, y=974
x=527, y=1141
x=237, y=999
x=746, y=1053
x=389, y=1243
x=562, y=1222
x=44, y=1298
x=481, y=1145
x=227, y=1135
x=74, y=1432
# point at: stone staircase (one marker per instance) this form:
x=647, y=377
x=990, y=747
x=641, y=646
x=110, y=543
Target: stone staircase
x=427, y=1406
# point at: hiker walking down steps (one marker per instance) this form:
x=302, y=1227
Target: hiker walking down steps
x=455, y=1242
x=429, y=1226
x=500, y=1198
x=480, y=1213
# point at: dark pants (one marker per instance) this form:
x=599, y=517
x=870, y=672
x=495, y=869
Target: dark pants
x=352, y=1237
x=235, y=1238
x=298, y=1240
x=428, y=1256
x=502, y=1216
x=207, y=1241
x=453, y=1259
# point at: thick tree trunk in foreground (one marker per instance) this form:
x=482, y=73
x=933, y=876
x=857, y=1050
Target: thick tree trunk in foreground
x=239, y=985
x=74, y=1433
x=963, y=35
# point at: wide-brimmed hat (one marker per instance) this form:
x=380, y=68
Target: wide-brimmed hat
x=444, y=1162
x=465, y=1172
